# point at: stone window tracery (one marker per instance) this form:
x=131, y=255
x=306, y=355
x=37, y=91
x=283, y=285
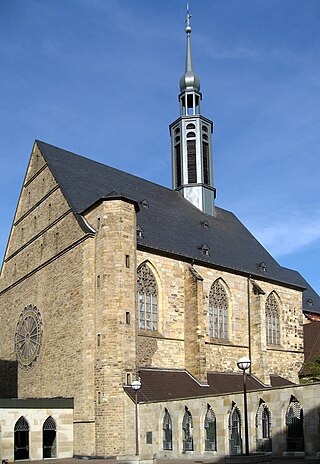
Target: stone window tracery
x=210, y=430
x=28, y=337
x=187, y=430
x=218, y=311
x=263, y=428
x=147, y=296
x=294, y=423
x=167, y=431
x=272, y=320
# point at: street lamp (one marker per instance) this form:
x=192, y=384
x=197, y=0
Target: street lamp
x=136, y=385
x=244, y=364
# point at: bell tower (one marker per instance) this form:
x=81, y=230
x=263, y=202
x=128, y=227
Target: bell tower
x=191, y=141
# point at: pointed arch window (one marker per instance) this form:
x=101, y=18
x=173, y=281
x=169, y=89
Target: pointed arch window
x=263, y=428
x=210, y=430
x=21, y=439
x=218, y=311
x=272, y=320
x=147, y=296
x=294, y=423
x=187, y=430
x=235, y=440
x=49, y=438
x=167, y=431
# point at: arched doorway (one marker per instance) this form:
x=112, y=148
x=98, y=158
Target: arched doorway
x=235, y=440
x=21, y=439
x=49, y=438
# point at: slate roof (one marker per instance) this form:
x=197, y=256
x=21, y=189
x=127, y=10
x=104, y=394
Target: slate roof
x=171, y=384
x=169, y=223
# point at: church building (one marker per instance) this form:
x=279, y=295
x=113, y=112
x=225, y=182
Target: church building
x=109, y=278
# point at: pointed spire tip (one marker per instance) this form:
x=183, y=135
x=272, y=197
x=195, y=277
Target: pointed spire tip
x=188, y=27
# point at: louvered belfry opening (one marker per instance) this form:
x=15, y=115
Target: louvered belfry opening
x=178, y=164
x=206, y=163
x=192, y=166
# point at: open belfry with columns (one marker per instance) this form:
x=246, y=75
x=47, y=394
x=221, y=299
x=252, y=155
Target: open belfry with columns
x=109, y=278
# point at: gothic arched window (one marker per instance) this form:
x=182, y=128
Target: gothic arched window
x=210, y=430
x=147, y=295
x=218, y=311
x=272, y=320
x=167, y=431
x=263, y=428
x=187, y=429
x=235, y=440
x=294, y=423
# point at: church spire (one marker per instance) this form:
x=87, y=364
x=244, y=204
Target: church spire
x=189, y=80
x=191, y=141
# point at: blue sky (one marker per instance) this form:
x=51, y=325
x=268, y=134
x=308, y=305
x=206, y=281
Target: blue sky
x=101, y=78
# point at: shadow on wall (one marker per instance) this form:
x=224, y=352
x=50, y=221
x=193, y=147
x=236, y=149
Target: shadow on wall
x=8, y=379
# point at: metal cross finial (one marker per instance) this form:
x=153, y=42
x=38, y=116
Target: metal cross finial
x=188, y=27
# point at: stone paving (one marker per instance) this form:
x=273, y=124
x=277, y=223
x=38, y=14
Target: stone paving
x=163, y=461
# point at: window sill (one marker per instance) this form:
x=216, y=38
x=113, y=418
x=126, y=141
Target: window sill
x=150, y=333
x=219, y=341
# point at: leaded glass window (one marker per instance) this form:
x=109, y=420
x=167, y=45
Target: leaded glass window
x=218, y=311
x=167, y=431
x=147, y=299
x=272, y=320
x=187, y=429
x=235, y=440
x=210, y=430
x=263, y=428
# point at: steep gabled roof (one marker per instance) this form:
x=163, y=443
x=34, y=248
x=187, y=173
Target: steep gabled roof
x=169, y=223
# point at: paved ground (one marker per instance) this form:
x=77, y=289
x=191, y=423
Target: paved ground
x=163, y=461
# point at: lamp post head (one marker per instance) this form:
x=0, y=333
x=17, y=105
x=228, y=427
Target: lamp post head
x=136, y=385
x=244, y=363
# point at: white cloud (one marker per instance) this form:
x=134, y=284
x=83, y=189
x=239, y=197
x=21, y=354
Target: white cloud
x=289, y=234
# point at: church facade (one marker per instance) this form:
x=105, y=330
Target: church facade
x=108, y=277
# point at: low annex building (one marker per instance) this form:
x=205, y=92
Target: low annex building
x=36, y=428
x=108, y=277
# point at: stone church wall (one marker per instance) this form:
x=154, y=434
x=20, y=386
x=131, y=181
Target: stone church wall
x=169, y=347
x=46, y=267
